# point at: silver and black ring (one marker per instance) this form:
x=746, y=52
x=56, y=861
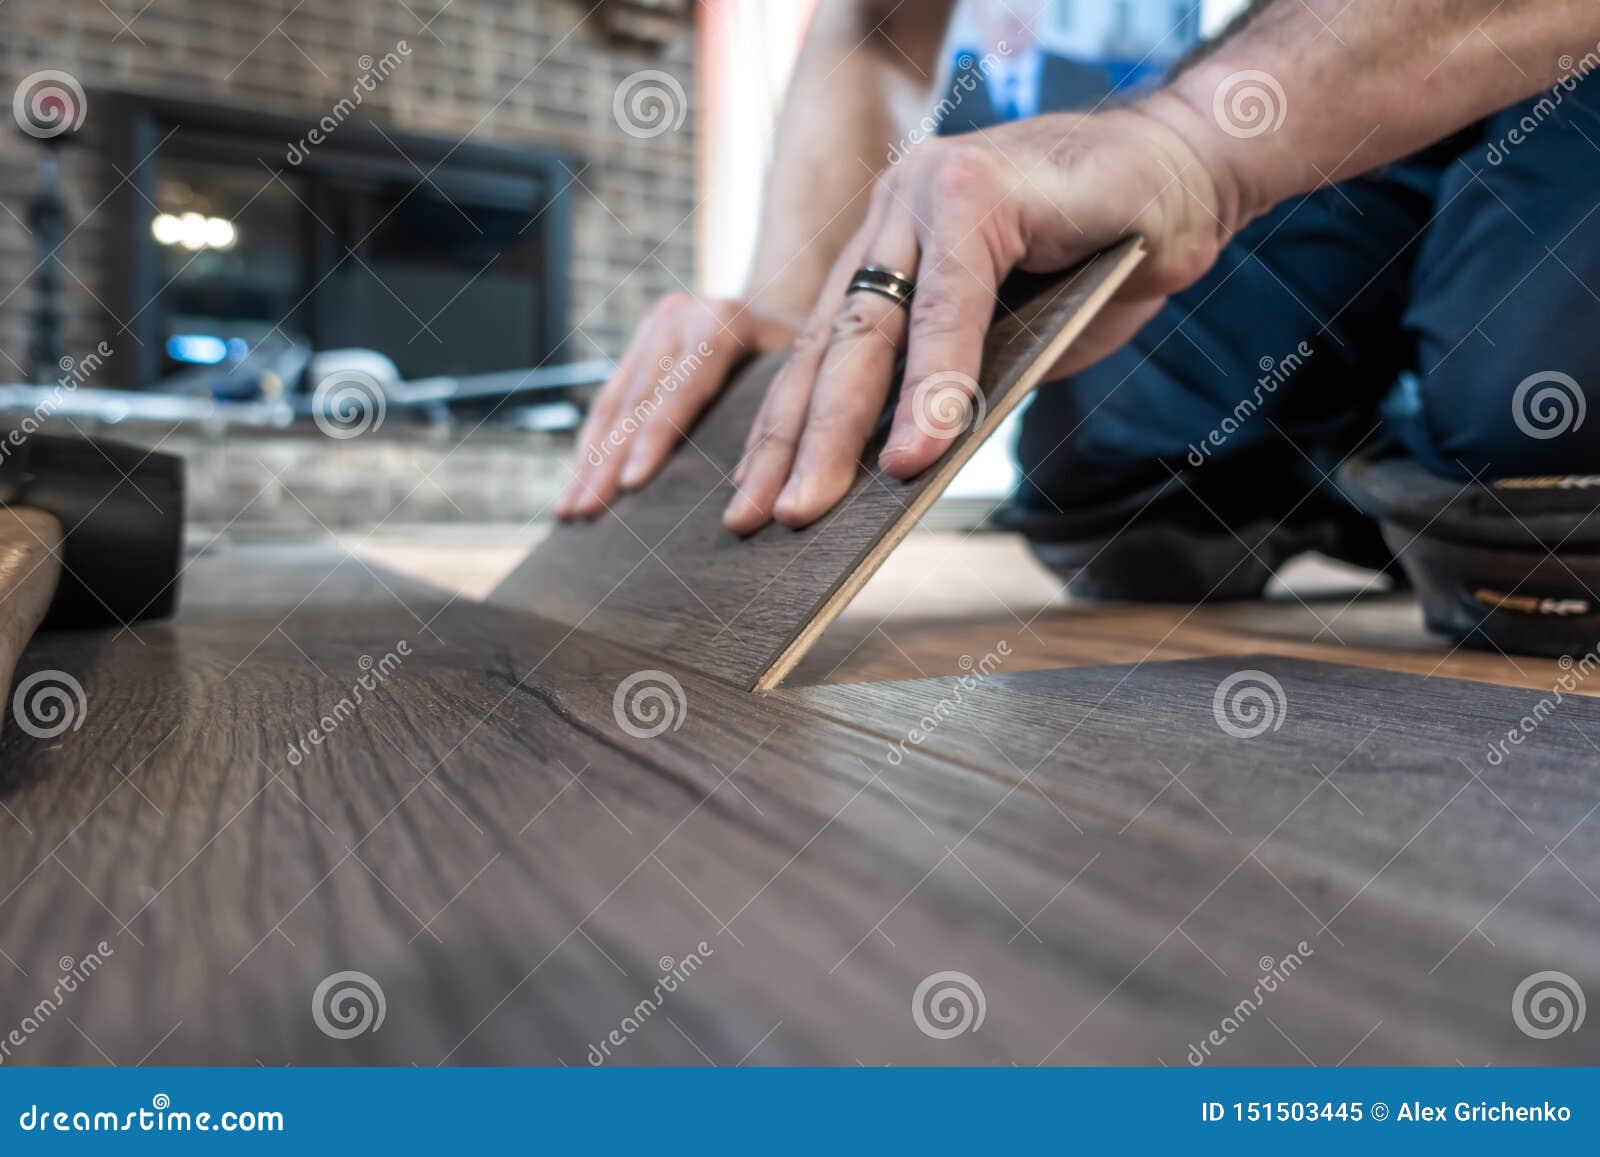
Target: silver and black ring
x=897, y=287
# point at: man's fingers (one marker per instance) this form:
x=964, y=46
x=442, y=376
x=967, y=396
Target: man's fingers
x=939, y=395
x=604, y=446
x=684, y=386
x=770, y=449
x=604, y=482
x=591, y=442
x=852, y=383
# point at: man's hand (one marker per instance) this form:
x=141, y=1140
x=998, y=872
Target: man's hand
x=959, y=214
x=678, y=361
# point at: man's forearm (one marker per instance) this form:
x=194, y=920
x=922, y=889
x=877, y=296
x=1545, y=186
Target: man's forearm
x=1352, y=84
x=866, y=71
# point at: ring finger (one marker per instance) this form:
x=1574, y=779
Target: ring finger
x=851, y=384
x=775, y=437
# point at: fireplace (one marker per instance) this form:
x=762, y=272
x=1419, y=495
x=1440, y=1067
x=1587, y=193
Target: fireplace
x=243, y=229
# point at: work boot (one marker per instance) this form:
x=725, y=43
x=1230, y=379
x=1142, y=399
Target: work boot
x=1171, y=544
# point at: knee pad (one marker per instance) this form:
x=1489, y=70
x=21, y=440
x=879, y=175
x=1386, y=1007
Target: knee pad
x=1510, y=565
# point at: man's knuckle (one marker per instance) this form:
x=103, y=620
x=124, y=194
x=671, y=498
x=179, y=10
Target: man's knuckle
x=961, y=173
x=812, y=337
x=938, y=309
x=825, y=424
x=884, y=189
x=856, y=319
x=773, y=438
x=723, y=312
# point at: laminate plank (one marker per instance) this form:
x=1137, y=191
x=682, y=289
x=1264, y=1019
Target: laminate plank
x=659, y=571
x=1386, y=787
x=940, y=595
x=483, y=838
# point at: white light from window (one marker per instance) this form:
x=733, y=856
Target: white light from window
x=193, y=234
x=220, y=233
x=166, y=229
x=194, y=231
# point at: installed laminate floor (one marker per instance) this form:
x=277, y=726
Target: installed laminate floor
x=516, y=869
x=942, y=596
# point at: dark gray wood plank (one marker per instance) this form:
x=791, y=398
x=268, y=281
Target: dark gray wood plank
x=659, y=571
x=1391, y=788
x=482, y=837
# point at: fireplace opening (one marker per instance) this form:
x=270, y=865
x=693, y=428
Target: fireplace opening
x=243, y=238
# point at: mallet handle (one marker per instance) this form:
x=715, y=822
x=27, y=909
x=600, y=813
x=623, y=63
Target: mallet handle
x=29, y=570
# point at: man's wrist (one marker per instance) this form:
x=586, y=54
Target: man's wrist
x=1188, y=107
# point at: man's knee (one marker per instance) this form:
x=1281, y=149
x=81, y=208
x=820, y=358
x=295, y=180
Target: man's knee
x=1499, y=418
x=1504, y=320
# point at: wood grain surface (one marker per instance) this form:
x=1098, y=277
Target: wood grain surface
x=1350, y=767
x=943, y=595
x=659, y=571
x=515, y=868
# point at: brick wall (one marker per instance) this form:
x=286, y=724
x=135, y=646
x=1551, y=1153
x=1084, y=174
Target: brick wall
x=494, y=71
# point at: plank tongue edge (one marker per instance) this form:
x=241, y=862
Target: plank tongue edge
x=1124, y=257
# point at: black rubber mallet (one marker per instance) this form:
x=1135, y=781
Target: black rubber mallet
x=91, y=535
